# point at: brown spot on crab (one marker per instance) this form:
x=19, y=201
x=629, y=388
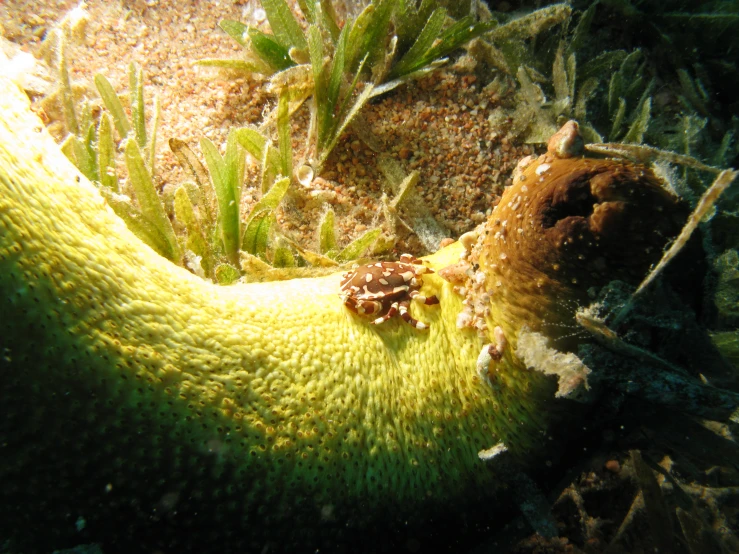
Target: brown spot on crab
x=385, y=289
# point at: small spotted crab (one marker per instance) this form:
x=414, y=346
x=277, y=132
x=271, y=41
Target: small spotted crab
x=385, y=289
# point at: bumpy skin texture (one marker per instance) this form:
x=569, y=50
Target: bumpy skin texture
x=143, y=399
x=152, y=409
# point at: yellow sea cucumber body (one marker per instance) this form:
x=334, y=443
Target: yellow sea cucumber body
x=149, y=402
x=141, y=381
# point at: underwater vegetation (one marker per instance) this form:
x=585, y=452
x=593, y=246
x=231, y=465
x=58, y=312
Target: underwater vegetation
x=546, y=67
x=144, y=404
x=666, y=51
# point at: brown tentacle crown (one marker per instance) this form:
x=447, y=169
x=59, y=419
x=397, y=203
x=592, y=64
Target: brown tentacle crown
x=566, y=225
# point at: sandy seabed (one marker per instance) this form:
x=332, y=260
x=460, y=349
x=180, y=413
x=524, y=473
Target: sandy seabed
x=442, y=126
